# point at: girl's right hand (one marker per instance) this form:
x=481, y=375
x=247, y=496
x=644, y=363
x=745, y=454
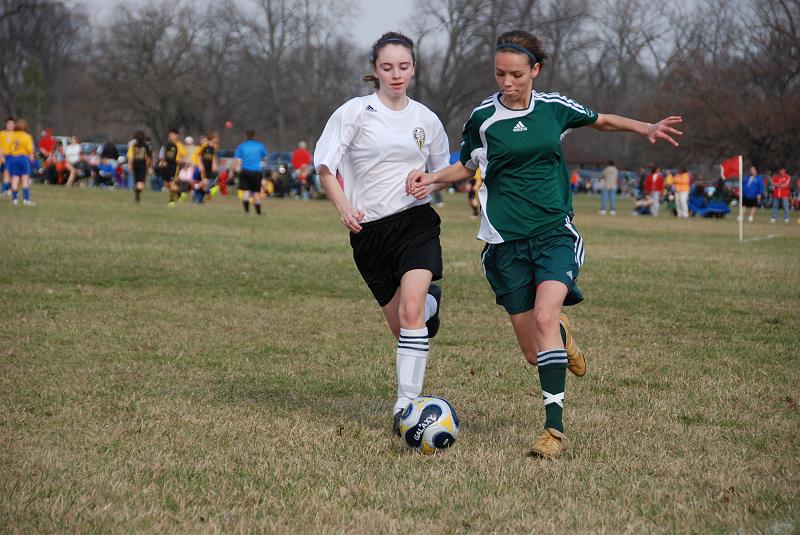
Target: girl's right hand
x=351, y=218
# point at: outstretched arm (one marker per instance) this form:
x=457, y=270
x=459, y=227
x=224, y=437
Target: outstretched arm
x=652, y=131
x=421, y=184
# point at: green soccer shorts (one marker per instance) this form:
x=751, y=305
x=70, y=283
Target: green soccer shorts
x=515, y=268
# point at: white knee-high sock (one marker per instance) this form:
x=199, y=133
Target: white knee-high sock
x=430, y=307
x=412, y=356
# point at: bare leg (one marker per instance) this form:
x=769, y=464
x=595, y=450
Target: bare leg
x=407, y=307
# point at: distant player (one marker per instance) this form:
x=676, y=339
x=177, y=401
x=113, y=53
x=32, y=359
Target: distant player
x=171, y=154
x=139, y=161
x=186, y=175
x=247, y=161
x=374, y=141
x=206, y=162
x=533, y=252
x=752, y=191
x=6, y=139
x=18, y=163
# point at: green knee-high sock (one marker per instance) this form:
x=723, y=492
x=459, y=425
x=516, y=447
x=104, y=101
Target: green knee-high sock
x=552, y=366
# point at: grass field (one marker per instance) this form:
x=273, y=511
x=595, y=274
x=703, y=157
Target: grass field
x=198, y=370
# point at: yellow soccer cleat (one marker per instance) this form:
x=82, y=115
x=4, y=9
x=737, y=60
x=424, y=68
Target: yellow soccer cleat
x=550, y=444
x=576, y=362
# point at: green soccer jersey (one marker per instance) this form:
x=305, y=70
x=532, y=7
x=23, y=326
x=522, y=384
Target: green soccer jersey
x=526, y=187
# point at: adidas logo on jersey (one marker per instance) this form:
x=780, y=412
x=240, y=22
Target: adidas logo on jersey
x=519, y=127
x=370, y=108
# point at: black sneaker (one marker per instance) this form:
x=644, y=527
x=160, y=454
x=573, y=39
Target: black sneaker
x=396, y=427
x=433, y=323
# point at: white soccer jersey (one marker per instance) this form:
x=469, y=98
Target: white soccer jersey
x=374, y=148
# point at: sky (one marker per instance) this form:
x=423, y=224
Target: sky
x=372, y=17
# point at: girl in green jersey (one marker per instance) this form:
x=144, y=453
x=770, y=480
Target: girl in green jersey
x=533, y=253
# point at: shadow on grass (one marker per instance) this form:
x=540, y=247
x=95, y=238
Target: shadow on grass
x=327, y=400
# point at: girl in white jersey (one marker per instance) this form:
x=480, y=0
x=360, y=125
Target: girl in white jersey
x=374, y=142
x=533, y=252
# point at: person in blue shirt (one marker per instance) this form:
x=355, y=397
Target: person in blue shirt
x=752, y=191
x=247, y=161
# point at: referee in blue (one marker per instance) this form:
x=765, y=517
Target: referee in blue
x=247, y=161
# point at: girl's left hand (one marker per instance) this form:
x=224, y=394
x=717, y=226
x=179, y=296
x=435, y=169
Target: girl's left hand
x=663, y=128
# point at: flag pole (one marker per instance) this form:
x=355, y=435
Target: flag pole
x=741, y=209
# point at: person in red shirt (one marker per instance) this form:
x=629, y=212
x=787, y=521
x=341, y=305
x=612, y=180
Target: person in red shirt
x=780, y=194
x=654, y=188
x=301, y=156
x=575, y=180
x=47, y=143
x=301, y=162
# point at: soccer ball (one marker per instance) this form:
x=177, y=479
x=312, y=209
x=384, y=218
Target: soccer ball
x=429, y=424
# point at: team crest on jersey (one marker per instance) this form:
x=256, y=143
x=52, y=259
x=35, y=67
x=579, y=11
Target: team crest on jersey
x=419, y=137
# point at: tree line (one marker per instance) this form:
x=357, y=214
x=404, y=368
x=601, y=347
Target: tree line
x=731, y=68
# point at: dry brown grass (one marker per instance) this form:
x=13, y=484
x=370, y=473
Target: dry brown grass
x=197, y=370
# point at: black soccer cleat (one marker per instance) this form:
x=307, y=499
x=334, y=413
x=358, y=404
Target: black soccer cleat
x=396, y=426
x=433, y=323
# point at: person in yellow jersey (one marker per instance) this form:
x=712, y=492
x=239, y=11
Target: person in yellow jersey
x=206, y=162
x=172, y=153
x=6, y=137
x=682, y=182
x=196, y=164
x=18, y=163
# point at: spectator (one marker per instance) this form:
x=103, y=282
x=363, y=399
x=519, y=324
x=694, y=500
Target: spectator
x=654, y=188
x=752, y=191
x=300, y=156
x=109, y=151
x=47, y=148
x=642, y=174
x=283, y=180
x=780, y=194
x=46, y=143
x=643, y=206
x=609, y=186
x=669, y=181
x=575, y=180
x=93, y=166
x=682, y=182
x=72, y=152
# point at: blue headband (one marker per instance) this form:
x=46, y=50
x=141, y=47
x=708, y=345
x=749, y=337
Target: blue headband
x=519, y=49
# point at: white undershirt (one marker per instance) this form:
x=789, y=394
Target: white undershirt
x=374, y=148
x=73, y=153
